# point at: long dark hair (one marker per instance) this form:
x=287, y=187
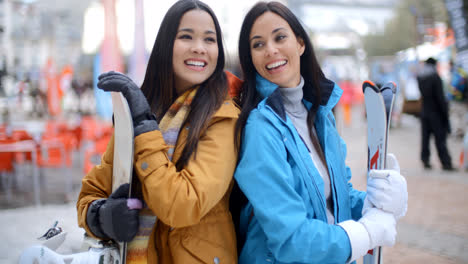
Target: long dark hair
x=158, y=85
x=310, y=69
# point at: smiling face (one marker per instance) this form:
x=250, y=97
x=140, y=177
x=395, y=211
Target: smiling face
x=195, y=52
x=275, y=50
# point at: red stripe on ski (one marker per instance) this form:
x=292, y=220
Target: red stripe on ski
x=374, y=160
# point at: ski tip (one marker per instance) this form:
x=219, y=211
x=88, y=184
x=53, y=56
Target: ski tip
x=369, y=84
x=390, y=85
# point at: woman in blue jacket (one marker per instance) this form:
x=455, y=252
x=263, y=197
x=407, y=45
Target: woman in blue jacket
x=301, y=205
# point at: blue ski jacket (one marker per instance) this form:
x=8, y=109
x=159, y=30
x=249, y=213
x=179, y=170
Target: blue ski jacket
x=285, y=218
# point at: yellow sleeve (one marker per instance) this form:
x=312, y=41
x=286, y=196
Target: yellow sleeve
x=97, y=184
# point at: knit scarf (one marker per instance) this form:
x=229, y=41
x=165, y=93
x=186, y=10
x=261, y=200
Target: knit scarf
x=170, y=125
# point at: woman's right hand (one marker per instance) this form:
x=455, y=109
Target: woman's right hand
x=115, y=217
x=117, y=220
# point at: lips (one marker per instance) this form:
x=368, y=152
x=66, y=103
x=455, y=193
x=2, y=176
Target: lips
x=276, y=64
x=195, y=63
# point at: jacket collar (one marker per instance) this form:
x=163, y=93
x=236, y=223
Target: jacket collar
x=330, y=92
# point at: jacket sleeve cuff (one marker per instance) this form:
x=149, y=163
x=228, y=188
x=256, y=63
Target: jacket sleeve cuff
x=358, y=238
x=92, y=218
x=145, y=126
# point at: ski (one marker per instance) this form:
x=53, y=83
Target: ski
x=379, y=104
x=123, y=150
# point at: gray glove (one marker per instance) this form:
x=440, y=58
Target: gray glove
x=113, y=217
x=143, y=119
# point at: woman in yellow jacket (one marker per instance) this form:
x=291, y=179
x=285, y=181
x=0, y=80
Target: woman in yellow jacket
x=184, y=156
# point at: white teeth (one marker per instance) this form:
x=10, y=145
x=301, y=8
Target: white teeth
x=275, y=64
x=195, y=63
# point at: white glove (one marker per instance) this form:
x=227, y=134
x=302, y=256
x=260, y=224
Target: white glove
x=375, y=228
x=387, y=189
x=381, y=227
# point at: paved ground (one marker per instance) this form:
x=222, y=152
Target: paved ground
x=435, y=230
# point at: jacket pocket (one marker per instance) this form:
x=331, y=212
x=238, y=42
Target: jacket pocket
x=196, y=250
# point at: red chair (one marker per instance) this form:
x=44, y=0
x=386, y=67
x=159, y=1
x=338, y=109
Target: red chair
x=18, y=135
x=6, y=158
x=53, y=151
x=77, y=132
x=3, y=131
x=6, y=168
x=93, y=155
x=92, y=131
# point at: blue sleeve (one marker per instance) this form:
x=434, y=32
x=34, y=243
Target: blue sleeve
x=265, y=176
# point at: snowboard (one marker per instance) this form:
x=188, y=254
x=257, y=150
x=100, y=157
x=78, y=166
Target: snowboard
x=46, y=251
x=123, y=150
x=379, y=104
x=42, y=254
x=99, y=251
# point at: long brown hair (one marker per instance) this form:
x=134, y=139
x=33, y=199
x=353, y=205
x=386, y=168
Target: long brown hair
x=310, y=69
x=158, y=85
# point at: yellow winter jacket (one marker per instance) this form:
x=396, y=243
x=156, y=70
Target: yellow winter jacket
x=192, y=205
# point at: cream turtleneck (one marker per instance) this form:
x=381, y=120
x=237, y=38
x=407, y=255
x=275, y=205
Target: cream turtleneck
x=297, y=112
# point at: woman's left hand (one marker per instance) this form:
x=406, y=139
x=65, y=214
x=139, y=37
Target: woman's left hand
x=387, y=189
x=143, y=119
x=118, y=82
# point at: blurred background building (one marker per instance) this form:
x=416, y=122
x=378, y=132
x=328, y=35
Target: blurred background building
x=51, y=52
x=54, y=122
x=355, y=39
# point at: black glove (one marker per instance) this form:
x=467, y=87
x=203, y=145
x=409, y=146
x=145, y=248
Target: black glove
x=111, y=217
x=143, y=119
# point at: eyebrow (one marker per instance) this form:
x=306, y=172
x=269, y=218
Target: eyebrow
x=192, y=31
x=274, y=31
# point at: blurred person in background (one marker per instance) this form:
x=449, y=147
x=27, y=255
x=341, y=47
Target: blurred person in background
x=458, y=95
x=37, y=105
x=434, y=115
x=185, y=178
x=3, y=73
x=80, y=85
x=346, y=100
x=301, y=205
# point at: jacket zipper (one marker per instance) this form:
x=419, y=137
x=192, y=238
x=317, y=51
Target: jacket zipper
x=324, y=204
x=335, y=196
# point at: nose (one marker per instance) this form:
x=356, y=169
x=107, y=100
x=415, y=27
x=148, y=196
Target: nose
x=198, y=47
x=270, y=49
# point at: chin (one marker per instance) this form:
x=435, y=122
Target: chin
x=278, y=82
x=196, y=81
